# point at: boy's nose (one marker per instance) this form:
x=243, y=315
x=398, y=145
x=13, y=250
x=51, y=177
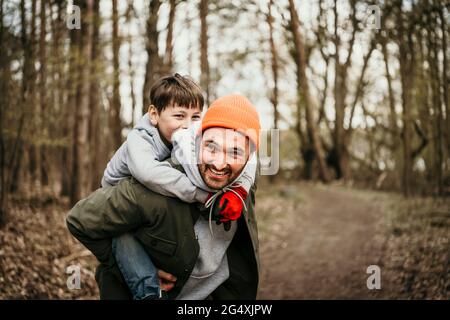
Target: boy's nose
x=186, y=124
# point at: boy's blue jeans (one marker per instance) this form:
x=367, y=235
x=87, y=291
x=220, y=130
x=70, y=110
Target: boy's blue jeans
x=137, y=268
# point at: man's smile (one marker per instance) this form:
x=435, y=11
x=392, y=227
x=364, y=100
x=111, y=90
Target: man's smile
x=217, y=174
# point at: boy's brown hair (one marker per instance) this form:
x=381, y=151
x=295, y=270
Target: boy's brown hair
x=176, y=89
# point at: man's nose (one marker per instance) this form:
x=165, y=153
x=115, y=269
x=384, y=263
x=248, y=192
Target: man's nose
x=219, y=162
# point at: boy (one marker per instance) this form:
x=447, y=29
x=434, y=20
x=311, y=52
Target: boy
x=177, y=103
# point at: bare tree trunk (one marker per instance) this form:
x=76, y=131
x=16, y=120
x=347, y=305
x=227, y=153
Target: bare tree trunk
x=28, y=75
x=132, y=75
x=69, y=114
x=115, y=122
x=168, y=58
x=44, y=151
x=407, y=75
x=274, y=65
x=445, y=76
x=423, y=85
x=306, y=152
x=321, y=32
x=204, y=64
x=190, y=60
x=35, y=155
x=81, y=147
x=359, y=90
x=131, y=71
x=94, y=103
x=340, y=95
x=59, y=77
x=437, y=105
x=305, y=93
x=152, y=70
x=322, y=115
x=3, y=89
x=392, y=114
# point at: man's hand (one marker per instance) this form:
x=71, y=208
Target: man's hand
x=166, y=280
x=229, y=205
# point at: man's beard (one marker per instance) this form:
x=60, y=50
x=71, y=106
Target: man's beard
x=217, y=179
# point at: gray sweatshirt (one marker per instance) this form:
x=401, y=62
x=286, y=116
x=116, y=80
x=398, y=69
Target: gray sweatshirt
x=211, y=268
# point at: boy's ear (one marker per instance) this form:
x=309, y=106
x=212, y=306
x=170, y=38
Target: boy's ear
x=153, y=114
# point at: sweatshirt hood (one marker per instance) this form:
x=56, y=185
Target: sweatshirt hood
x=153, y=133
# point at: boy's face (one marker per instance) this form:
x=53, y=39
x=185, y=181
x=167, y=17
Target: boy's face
x=223, y=155
x=173, y=117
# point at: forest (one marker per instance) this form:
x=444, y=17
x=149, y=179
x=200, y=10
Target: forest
x=358, y=89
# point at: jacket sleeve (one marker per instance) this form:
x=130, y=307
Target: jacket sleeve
x=159, y=176
x=106, y=213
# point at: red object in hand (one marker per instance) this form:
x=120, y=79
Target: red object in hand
x=231, y=205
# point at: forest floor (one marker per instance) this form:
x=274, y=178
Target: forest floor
x=316, y=242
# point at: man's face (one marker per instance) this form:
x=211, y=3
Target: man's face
x=223, y=155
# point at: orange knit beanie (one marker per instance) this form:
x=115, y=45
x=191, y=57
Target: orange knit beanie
x=234, y=112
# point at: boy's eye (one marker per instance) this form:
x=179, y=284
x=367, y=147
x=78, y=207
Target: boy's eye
x=178, y=116
x=196, y=118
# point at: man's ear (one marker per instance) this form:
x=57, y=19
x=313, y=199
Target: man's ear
x=153, y=115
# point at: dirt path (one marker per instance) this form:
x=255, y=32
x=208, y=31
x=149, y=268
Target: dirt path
x=322, y=250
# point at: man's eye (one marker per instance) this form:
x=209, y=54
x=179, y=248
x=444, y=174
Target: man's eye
x=235, y=154
x=211, y=147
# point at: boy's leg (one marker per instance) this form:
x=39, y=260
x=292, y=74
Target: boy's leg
x=136, y=266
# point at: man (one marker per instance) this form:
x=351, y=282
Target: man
x=169, y=228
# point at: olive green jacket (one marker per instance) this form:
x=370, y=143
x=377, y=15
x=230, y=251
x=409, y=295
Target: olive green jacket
x=164, y=226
